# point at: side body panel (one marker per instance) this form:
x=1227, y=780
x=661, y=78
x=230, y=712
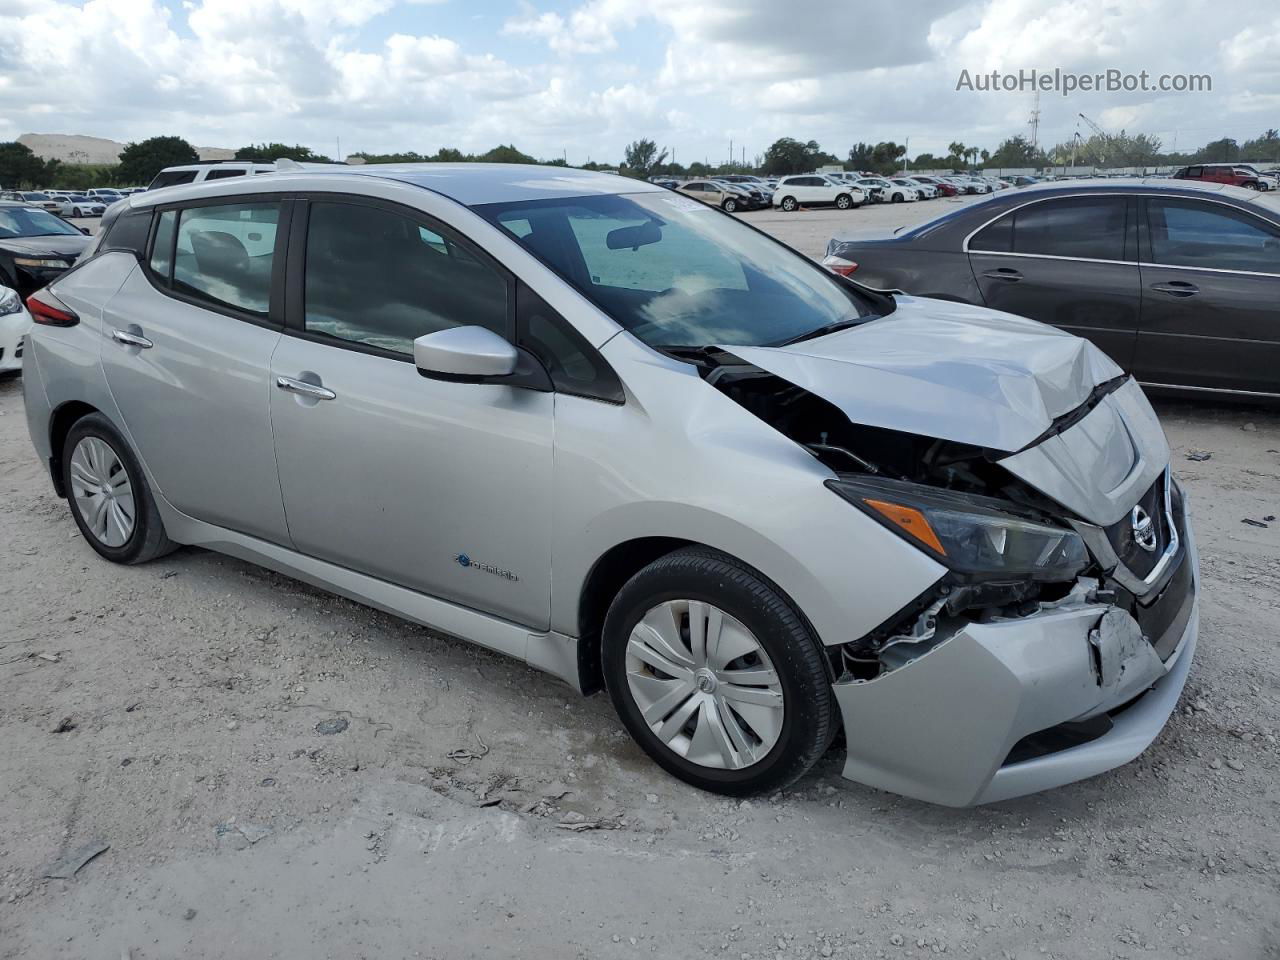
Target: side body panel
x=195, y=406
x=681, y=460
x=444, y=488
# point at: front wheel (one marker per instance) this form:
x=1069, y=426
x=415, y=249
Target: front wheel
x=844, y=201
x=730, y=205
x=897, y=198
x=75, y=211
x=716, y=675
x=109, y=497
x=789, y=204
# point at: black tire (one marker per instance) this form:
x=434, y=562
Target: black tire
x=75, y=211
x=810, y=718
x=148, y=540
x=789, y=204
x=897, y=198
x=844, y=201
x=730, y=205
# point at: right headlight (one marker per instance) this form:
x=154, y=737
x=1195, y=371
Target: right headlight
x=978, y=537
x=10, y=302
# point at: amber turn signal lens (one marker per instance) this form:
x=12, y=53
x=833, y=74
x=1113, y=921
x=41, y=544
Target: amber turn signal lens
x=910, y=520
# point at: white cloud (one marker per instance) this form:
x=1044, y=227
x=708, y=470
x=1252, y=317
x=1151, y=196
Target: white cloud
x=403, y=74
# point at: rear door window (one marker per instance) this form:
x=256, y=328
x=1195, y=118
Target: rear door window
x=224, y=254
x=1189, y=233
x=1085, y=228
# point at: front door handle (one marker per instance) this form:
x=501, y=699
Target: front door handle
x=131, y=339
x=1004, y=273
x=1177, y=288
x=301, y=387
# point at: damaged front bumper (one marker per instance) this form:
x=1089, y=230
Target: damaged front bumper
x=1010, y=707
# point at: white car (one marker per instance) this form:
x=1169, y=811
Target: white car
x=15, y=322
x=200, y=172
x=812, y=190
x=923, y=191
x=874, y=187
x=82, y=206
x=900, y=190
x=45, y=201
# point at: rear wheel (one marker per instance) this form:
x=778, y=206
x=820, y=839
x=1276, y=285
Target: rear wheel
x=109, y=497
x=789, y=204
x=844, y=201
x=716, y=675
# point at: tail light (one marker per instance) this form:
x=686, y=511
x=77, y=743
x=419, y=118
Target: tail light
x=47, y=309
x=839, y=265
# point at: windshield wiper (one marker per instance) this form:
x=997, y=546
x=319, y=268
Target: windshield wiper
x=823, y=331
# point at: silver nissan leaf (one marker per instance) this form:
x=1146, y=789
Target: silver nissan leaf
x=631, y=440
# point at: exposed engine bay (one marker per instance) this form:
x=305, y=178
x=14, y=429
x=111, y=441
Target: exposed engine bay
x=852, y=450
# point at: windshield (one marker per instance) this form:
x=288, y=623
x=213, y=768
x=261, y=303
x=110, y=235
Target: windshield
x=677, y=273
x=28, y=222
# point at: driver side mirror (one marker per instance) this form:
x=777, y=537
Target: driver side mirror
x=468, y=354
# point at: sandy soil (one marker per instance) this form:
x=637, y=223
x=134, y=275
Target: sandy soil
x=468, y=806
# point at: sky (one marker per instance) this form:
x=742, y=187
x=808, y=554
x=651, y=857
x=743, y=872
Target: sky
x=583, y=78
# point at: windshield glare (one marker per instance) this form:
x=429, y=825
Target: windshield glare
x=29, y=222
x=676, y=272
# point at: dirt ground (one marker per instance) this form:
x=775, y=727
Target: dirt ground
x=282, y=773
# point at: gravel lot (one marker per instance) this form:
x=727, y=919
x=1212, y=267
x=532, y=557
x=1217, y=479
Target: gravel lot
x=467, y=806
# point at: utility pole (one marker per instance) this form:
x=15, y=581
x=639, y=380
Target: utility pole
x=906, y=150
x=731, y=151
x=1035, y=123
x=339, y=156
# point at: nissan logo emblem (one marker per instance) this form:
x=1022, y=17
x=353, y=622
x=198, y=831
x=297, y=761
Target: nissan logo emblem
x=1144, y=529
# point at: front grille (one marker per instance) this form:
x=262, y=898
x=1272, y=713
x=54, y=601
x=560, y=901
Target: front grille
x=1121, y=534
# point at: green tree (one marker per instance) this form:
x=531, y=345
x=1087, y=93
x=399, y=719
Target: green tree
x=19, y=167
x=956, y=152
x=1265, y=147
x=699, y=169
x=859, y=157
x=266, y=152
x=787, y=155
x=1017, y=151
x=409, y=157
x=140, y=162
x=453, y=155
x=1225, y=150
x=504, y=153
x=886, y=156
x=927, y=161
x=641, y=158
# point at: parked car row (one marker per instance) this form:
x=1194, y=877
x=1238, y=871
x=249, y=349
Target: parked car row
x=71, y=203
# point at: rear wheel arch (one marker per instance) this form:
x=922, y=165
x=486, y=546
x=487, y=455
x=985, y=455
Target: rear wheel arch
x=60, y=424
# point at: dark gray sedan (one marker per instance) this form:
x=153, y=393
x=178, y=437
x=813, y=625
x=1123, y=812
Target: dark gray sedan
x=1178, y=281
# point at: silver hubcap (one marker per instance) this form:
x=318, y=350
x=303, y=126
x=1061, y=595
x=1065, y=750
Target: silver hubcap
x=704, y=685
x=103, y=494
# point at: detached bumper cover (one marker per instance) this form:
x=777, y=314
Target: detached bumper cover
x=941, y=728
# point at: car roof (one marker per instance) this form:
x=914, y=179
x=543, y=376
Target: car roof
x=1140, y=184
x=468, y=183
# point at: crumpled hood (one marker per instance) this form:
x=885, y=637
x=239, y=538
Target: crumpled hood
x=947, y=370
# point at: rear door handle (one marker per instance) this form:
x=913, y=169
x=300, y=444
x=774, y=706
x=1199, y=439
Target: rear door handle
x=302, y=388
x=1177, y=288
x=131, y=339
x=1004, y=273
